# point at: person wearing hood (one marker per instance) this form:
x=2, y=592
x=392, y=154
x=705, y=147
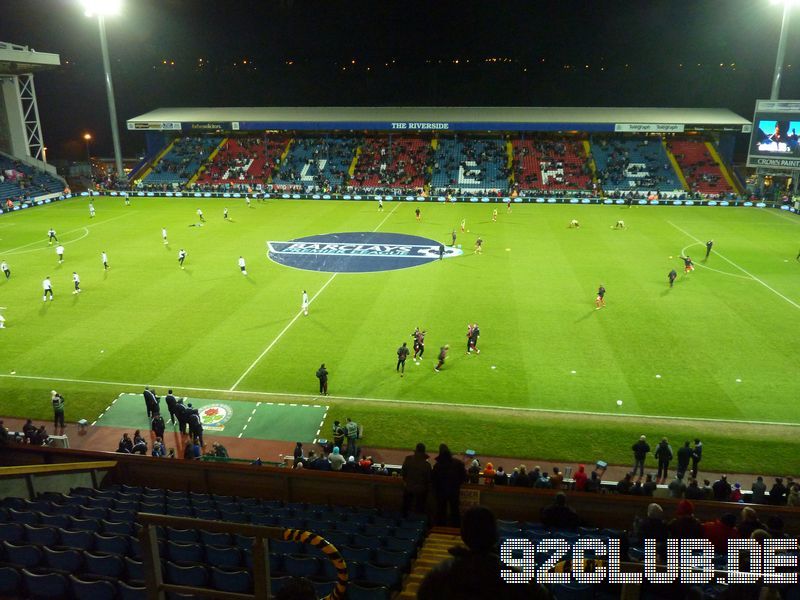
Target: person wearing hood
x=488, y=474
x=500, y=476
x=416, y=474
x=580, y=479
x=447, y=476
x=685, y=525
x=350, y=466
x=336, y=459
x=719, y=531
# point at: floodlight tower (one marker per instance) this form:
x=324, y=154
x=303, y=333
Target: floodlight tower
x=779, y=59
x=102, y=9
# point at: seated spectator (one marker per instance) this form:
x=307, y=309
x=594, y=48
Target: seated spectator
x=474, y=471
x=736, y=493
x=624, y=485
x=543, y=482
x=125, y=444
x=382, y=470
x=793, y=498
x=188, y=451
x=759, y=489
x=519, y=478
x=637, y=489
x=28, y=430
x=3, y=434
x=652, y=527
x=350, y=466
x=488, y=474
x=473, y=572
x=500, y=477
x=649, y=486
x=693, y=491
x=685, y=524
x=749, y=522
x=557, y=479
x=777, y=492
x=719, y=531
x=336, y=459
x=676, y=487
x=158, y=448
x=219, y=450
x=139, y=445
x=365, y=465
x=558, y=515
x=533, y=476
x=775, y=527
x=594, y=483
x=722, y=489
x=580, y=479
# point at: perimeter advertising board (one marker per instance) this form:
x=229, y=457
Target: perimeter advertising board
x=775, y=141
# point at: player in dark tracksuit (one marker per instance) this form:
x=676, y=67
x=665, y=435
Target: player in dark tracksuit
x=419, y=343
x=600, y=301
x=709, y=245
x=672, y=275
x=171, y=404
x=442, y=356
x=402, y=354
x=472, y=339
x=322, y=375
x=181, y=414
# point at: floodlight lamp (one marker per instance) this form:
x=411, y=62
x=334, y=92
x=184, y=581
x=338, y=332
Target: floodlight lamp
x=87, y=136
x=102, y=8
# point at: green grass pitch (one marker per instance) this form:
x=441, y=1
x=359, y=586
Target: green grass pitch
x=723, y=340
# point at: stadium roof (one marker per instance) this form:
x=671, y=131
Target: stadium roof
x=16, y=60
x=441, y=118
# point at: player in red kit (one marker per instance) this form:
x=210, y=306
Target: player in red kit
x=688, y=265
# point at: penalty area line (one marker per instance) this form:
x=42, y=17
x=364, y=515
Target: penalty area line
x=440, y=405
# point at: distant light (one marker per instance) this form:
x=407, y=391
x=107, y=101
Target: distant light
x=101, y=8
x=352, y=62
x=87, y=136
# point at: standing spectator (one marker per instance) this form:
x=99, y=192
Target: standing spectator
x=336, y=459
x=640, y=451
x=195, y=424
x=777, y=492
x=58, y=411
x=158, y=425
x=558, y=515
x=298, y=453
x=182, y=414
x=580, y=478
x=28, y=430
x=685, y=524
x=664, y=455
x=322, y=375
x=759, y=489
x=150, y=401
x=697, y=455
x=684, y=456
x=792, y=498
x=171, y=402
x=338, y=434
x=416, y=473
x=351, y=431
x=447, y=476
x=721, y=489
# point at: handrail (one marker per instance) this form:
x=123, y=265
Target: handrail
x=154, y=579
x=56, y=468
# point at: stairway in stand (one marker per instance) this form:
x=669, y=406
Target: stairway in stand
x=433, y=551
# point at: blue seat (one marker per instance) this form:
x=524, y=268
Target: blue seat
x=231, y=580
x=156, y=509
x=97, y=513
x=10, y=582
x=23, y=555
x=263, y=519
x=367, y=541
x=401, y=544
x=388, y=576
x=58, y=519
x=573, y=591
x=180, y=511
x=286, y=547
x=107, y=565
x=126, y=505
x=100, y=502
x=45, y=586
x=83, y=540
x=377, y=530
x=94, y=589
x=350, y=553
x=178, y=552
x=223, y=556
x=384, y=520
x=591, y=532
x=394, y=558
x=130, y=592
x=11, y=532
x=216, y=539
x=81, y=491
x=113, y=544
x=301, y=566
x=361, y=590
x=44, y=536
x=77, y=524
x=194, y=575
x=243, y=541
x=184, y=536
x=23, y=517
x=121, y=516
x=117, y=527
x=134, y=569
x=69, y=560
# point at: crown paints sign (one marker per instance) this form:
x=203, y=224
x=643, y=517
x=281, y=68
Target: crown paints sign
x=357, y=252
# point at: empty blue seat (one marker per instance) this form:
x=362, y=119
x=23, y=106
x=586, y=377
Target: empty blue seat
x=126, y=505
x=77, y=539
x=78, y=524
x=184, y=536
x=45, y=586
x=394, y=558
x=113, y=544
x=100, y=502
x=216, y=539
x=69, y=560
x=134, y=569
x=23, y=555
x=131, y=592
x=23, y=517
x=223, y=556
x=11, y=532
x=377, y=530
x=194, y=575
x=286, y=547
x=209, y=514
x=301, y=566
x=10, y=582
x=179, y=511
x=94, y=589
x=350, y=553
x=58, y=519
x=231, y=580
x=400, y=544
x=156, y=509
x=107, y=565
x=263, y=519
x=44, y=536
x=367, y=541
x=388, y=576
x=178, y=552
x=117, y=527
x=96, y=512
x=573, y=591
x=361, y=590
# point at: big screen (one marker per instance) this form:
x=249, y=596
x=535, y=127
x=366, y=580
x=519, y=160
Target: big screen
x=775, y=140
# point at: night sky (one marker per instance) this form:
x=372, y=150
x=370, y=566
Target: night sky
x=684, y=53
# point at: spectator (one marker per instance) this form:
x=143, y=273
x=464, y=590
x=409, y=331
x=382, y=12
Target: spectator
x=337, y=460
x=697, y=455
x=3, y=434
x=520, y=477
x=139, y=443
x=365, y=465
x=488, y=474
x=28, y=430
x=749, y=522
x=685, y=524
x=350, y=467
x=664, y=455
x=382, y=470
x=219, y=450
x=557, y=479
x=652, y=527
x=594, y=483
x=351, y=431
x=759, y=489
x=40, y=436
x=197, y=449
x=640, y=452
x=684, y=456
x=543, y=482
x=649, y=486
x=474, y=572
x=188, y=451
x=298, y=453
x=533, y=476
x=580, y=479
x=721, y=489
x=558, y=515
x=500, y=478
x=158, y=448
x=777, y=492
x=474, y=471
x=792, y=499
x=624, y=485
x=693, y=491
x=125, y=444
x=719, y=531
x=677, y=487
x=736, y=493
x=447, y=476
x=775, y=527
x=158, y=425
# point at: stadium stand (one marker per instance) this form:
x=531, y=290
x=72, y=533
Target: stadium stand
x=550, y=165
x=393, y=162
x=471, y=164
x=322, y=162
x=19, y=181
x=702, y=172
x=244, y=160
x=182, y=161
x=635, y=165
